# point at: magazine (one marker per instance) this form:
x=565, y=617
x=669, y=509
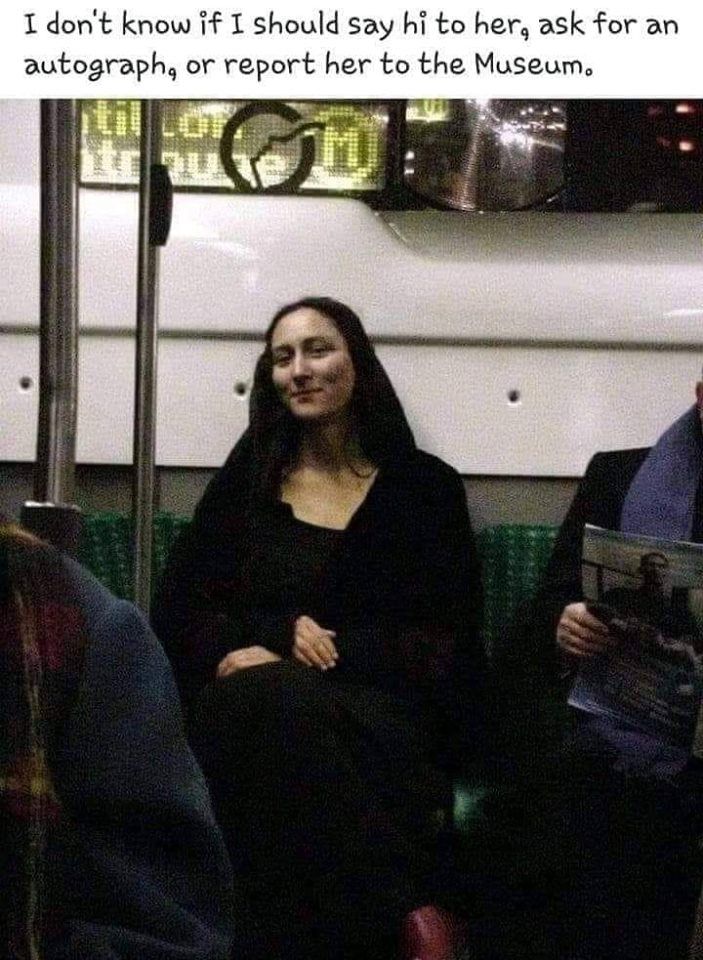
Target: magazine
x=649, y=592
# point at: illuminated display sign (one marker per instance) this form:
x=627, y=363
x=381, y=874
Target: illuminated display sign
x=428, y=111
x=257, y=146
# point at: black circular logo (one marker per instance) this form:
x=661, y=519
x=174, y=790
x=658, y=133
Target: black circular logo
x=300, y=130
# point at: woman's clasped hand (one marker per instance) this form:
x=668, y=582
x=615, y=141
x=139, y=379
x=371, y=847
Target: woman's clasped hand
x=313, y=645
x=243, y=658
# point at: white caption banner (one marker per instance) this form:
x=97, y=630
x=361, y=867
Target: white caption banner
x=531, y=49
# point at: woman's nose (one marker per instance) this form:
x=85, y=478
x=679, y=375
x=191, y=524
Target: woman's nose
x=300, y=366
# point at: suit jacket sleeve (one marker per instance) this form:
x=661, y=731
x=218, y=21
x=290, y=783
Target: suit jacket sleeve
x=139, y=867
x=598, y=501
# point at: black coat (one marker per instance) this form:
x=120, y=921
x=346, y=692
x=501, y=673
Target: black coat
x=402, y=593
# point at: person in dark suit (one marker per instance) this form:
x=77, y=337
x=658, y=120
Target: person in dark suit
x=629, y=802
x=599, y=501
x=648, y=491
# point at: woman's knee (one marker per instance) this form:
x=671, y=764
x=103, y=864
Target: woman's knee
x=280, y=694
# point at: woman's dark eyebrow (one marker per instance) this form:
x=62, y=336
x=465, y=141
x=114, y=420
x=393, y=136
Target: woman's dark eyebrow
x=307, y=342
x=318, y=338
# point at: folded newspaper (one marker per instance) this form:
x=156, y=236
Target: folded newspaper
x=649, y=593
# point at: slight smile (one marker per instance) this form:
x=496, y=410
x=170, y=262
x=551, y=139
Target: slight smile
x=304, y=393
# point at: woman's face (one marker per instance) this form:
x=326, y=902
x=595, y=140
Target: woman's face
x=312, y=369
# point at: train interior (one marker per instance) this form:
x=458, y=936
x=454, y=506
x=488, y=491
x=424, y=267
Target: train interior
x=529, y=272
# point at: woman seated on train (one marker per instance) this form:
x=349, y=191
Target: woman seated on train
x=320, y=614
x=108, y=845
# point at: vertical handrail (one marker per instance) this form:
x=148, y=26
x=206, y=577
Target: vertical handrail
x=58, y=350
x=144, y=445
x=51, y=515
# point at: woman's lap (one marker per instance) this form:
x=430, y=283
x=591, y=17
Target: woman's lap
x=299, y=714
x=322, y=782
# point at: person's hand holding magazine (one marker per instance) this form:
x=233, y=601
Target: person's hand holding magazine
x=580, y=633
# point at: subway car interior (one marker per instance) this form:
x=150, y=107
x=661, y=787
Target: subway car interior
x=529, y=273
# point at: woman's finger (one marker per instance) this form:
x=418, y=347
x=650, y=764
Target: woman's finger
x=576, y=620
x=318, y=654
x=299, y=655
x=314, y=644
x=244, y=658
x=226, y=666
x=591, y=623
x=307, y=648
x=325, y=647
x=318, y=638
x=317, y=644
x=309, y=656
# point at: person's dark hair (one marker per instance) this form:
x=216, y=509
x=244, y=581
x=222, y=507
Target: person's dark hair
x=41, y=656
x=381, y=429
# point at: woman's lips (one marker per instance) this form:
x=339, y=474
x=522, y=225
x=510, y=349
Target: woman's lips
x=302, y=394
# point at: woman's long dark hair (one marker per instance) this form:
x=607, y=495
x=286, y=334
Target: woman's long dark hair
x=255, y=467
x=380, y=428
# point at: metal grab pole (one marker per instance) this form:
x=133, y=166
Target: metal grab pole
x=146, y=358
x=50, y=514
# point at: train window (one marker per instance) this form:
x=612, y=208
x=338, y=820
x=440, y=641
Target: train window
x=486, y=154
x=635, y=155
x=581, y=155
x=256, y=146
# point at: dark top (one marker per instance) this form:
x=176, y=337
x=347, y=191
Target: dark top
x=401, y=590
x=293, y=559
